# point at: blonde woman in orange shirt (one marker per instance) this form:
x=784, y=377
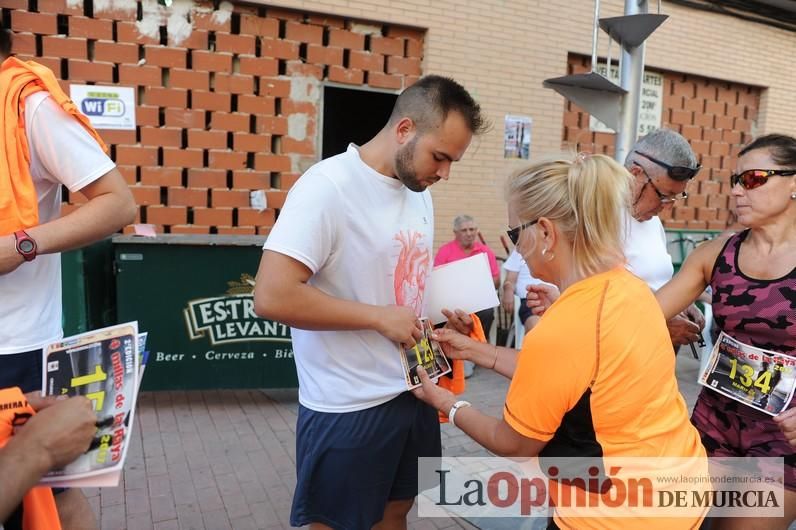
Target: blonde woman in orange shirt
x=595, y=377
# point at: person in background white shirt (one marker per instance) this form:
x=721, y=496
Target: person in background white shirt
x=346, y=267
x=517, y=280
x=663, y=164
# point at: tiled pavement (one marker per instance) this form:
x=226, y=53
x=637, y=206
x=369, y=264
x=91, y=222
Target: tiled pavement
x=219, y=460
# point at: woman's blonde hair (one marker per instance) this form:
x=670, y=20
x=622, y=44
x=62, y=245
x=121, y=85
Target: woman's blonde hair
x=587, y=196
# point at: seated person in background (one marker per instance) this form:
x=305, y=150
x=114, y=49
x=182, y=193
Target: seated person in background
x=464, y=245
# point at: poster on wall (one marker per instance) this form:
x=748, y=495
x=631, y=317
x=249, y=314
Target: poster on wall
x=517, y=137
x=650, y=106
x=107, y=107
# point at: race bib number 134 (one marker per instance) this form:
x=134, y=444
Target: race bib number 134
x=758, y=378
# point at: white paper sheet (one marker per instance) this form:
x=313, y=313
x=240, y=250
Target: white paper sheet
x=465, y=284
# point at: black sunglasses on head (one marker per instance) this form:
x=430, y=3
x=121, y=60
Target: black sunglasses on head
x=514, y=233
x=675, y=172
x=754, y=178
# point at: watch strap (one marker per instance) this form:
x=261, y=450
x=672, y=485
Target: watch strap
x=20, y=237
x=456, y=406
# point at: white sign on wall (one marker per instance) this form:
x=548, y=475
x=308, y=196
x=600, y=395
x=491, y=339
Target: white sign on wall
x=517, y=137
x=650, y=107
x=107, y=107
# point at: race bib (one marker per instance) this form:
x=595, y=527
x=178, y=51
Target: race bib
x=758, y=378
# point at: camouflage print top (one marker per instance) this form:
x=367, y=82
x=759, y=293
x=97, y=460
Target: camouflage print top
x=757, y=312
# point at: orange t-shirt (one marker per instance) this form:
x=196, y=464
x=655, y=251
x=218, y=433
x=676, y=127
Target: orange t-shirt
x=595, y=378
x=19, y=207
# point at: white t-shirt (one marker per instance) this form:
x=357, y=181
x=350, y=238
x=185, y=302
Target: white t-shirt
x=61, y=152
x=515, y=263
x=646, y=252
x=367, y=238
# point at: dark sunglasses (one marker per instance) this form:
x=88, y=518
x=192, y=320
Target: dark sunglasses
x=754, y=178
x=675, y=172
x=514, y=233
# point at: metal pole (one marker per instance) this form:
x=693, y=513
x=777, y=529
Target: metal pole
x=595, y=29
x=631, y=74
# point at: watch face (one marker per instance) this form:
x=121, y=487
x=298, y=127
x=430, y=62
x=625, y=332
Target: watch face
x=26, y=246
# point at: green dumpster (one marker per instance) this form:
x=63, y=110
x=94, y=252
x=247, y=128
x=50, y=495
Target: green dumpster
x=88, y=288
x=193, y=294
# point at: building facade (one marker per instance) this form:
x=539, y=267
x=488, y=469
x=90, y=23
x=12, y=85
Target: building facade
x=230, y=97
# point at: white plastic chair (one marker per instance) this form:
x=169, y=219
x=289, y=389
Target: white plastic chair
x=517, y=331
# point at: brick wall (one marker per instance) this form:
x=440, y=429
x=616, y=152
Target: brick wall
x=501, y=51
x=716, y=117
x=228, y=98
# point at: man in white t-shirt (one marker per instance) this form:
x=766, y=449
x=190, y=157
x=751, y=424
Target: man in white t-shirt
x=663, y=164
x=61, y=152
x=346, y=267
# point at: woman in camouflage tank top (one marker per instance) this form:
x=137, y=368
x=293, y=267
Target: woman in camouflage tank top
x=753, y=277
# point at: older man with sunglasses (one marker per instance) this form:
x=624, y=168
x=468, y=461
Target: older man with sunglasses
x=663, y=164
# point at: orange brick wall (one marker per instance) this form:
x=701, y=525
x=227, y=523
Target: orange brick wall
x=215, y=106
x=716, y=117
x=501, y=51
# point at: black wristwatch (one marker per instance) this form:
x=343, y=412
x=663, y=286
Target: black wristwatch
x=26, y=245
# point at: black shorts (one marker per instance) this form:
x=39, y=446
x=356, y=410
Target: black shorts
x=22, y=370
x=524, y=311
x=350, y=464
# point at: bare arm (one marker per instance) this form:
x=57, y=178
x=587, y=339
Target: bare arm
x=691, y=280
x=458, y=346
x=49, y=440
x=21, y=470
x=282, y=293
x=493, y=433
x=110, y=207
x=507, y=292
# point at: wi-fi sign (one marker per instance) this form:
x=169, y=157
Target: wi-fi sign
x=106, y=107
